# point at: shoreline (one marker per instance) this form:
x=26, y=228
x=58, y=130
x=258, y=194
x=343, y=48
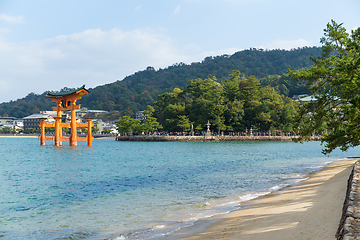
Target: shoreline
x=205, y=138
x=37, y=136
x=311, y=209
x=19, y=136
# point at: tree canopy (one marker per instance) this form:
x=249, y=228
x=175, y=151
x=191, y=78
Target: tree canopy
x=236, y=103
x=335, y=84
x=148, y=123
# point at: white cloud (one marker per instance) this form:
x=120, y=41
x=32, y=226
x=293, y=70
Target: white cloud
x=4, y=86
x=137, y=8
x=95, y=57
x=4, y=31
x=11, y=19
x=286, y=44
x=92, y=57
x=177, y=9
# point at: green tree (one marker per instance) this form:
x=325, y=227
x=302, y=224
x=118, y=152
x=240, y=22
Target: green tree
x=184, y=123
x=95, y=128
x=32, y=130
x=237, y=103
x=334, y=82
x=249, y=94
x=50, y=129
x=234, y=111
x=150, y=123
x=6, y=129
x=233, y=114
x=204, y=101
x=127, y=124
x=285, y=85
x=129, y=112
x=171, y=113
x=166, y=108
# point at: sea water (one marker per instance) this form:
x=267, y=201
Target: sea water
x=139, y=190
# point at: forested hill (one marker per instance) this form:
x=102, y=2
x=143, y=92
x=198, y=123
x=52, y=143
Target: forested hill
x=137, y=91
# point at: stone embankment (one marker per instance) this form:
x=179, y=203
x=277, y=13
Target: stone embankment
x=349, y=228
x=155, y=138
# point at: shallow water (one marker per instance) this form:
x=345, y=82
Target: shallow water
x=138, y=190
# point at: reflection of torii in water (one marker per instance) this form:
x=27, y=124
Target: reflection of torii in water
x=66, y=101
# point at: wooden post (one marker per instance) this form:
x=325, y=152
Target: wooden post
x=42, y=135
x=57, y=140
x=89, y=136
x=73, y=137
x=58, y=114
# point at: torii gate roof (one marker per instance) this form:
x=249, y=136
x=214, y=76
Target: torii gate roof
x=56, y=95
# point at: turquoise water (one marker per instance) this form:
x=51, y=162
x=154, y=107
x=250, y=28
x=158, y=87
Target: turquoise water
x=138, y=190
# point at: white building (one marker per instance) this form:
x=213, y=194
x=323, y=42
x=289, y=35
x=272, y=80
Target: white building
x=33, y=120
x=7, y=120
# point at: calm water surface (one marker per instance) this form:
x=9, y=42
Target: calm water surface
x=138, y=190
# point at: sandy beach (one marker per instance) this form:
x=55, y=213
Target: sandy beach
x=36, y=136
x=309, y=210
x=18, y=136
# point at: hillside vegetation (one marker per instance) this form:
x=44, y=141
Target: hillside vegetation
x=142, y=88
x=237, y=103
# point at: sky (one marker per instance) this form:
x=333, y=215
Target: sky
x=47, y=45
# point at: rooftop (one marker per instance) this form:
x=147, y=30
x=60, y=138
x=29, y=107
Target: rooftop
x=8, y=118
x=64, y=94
x=38, y=115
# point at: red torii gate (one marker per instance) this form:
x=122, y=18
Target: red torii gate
x=66, y=101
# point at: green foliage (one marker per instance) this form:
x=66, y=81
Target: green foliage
x=166, y=109
x=151, y=124
x=334, y=82
x=66, y=130
x=171, y=113
x=50, y=129
x=112, y=115
x=95, y=128
x=32, y=130
x=7, y=130
x=285, y=85
x=204, y=101
x=275, y=112
x=127, y=124
x=148, y=123
x=138, y=90
x=184, y=123
x=236, y=104
x=32, y=103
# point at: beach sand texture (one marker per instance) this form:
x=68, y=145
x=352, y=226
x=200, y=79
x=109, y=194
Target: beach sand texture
x=310, y=210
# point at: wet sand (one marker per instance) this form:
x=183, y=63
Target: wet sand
x=309, y=210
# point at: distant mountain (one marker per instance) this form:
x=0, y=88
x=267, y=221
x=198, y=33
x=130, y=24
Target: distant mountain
x=137, y=91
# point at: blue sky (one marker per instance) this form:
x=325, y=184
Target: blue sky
x=47, y=45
